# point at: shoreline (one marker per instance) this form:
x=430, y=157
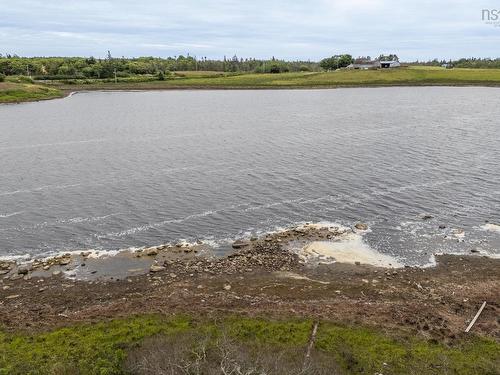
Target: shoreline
x=314, y=243
x=261, y=276
x=66, y=91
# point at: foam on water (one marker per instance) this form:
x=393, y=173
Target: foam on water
x=491, y=227
x=348, y=248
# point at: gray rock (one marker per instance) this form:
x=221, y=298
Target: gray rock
x=23, y=270
x=156, y=268
x=240, y=244
x=64, y=261
x=152, y=251
x=361, y=226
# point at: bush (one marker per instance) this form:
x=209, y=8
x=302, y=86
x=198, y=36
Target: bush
x=24, y=79
x=274, y=69
x=161, y=76
x=2, y=77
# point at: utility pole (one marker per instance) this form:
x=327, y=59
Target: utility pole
x=28, y=70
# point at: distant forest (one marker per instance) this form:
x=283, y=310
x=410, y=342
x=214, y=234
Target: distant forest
x=110, y=67
x=471, y=62
x=81, y=67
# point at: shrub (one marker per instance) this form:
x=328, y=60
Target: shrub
x=2, y=77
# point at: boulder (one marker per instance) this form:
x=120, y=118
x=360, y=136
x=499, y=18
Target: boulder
x=65, y=261
x=361, y=226
x=240, y=244
x=23, y=270
x=156, y=268
x=151, y=251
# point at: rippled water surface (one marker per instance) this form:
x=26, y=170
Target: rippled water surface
x=111, y=170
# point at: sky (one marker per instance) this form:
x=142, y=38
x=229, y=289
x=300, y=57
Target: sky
x=292, y=30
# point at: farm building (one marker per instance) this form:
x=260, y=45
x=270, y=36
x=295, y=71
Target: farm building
x=364, y=64
x=389, y=64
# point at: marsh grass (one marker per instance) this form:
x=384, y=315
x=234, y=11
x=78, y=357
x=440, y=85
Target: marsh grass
x=13, y=92
x=154, y=344
x=411, y=76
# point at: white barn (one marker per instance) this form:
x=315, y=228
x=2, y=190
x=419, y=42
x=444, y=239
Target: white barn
x=389, y=64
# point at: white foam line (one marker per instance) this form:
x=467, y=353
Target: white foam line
x=11, y=214
x=45, y=187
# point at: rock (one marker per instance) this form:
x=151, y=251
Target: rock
x=5, y=287
x=442, y=226
x=156, y=268
x=474, y=251
x=3, y=272
x=12, y=296
x=357, y=263
x=23, y=270
x=172, y=275
x=240, y=244
x=152, y=251
x=427, y=217
x=65, y=261
x=227, y=286
x=56, y=273
x=361, y=226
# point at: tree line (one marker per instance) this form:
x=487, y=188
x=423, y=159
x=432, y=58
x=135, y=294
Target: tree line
x=471, y=62
x=109, y=67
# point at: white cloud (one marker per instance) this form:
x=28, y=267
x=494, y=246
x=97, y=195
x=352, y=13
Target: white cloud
x=285, y=29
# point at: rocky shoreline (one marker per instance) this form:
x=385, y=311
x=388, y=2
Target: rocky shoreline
x=262, y=276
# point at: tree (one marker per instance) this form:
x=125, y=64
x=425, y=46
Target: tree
x=391, y=57
x=336, y=62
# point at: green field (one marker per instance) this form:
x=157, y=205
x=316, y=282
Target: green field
x=411, y=76
x=13, y=92
x=156, y=345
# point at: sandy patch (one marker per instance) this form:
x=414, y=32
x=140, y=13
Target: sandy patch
x=349, y=249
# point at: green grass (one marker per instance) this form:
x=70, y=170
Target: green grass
x=366, y=351
x=18, y=89
x=350, y=78
x=102, y=348
x=14, y=92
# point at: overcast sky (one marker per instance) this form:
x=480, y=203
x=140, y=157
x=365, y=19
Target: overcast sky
x=290, y=29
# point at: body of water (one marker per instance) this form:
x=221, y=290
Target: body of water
x=113, y=170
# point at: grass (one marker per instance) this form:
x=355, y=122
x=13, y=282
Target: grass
x=18, y=89
x=103, y=348
x=344, y=78
x=15, y=92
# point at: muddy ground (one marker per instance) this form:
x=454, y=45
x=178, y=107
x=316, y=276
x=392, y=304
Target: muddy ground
x=261, y=278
